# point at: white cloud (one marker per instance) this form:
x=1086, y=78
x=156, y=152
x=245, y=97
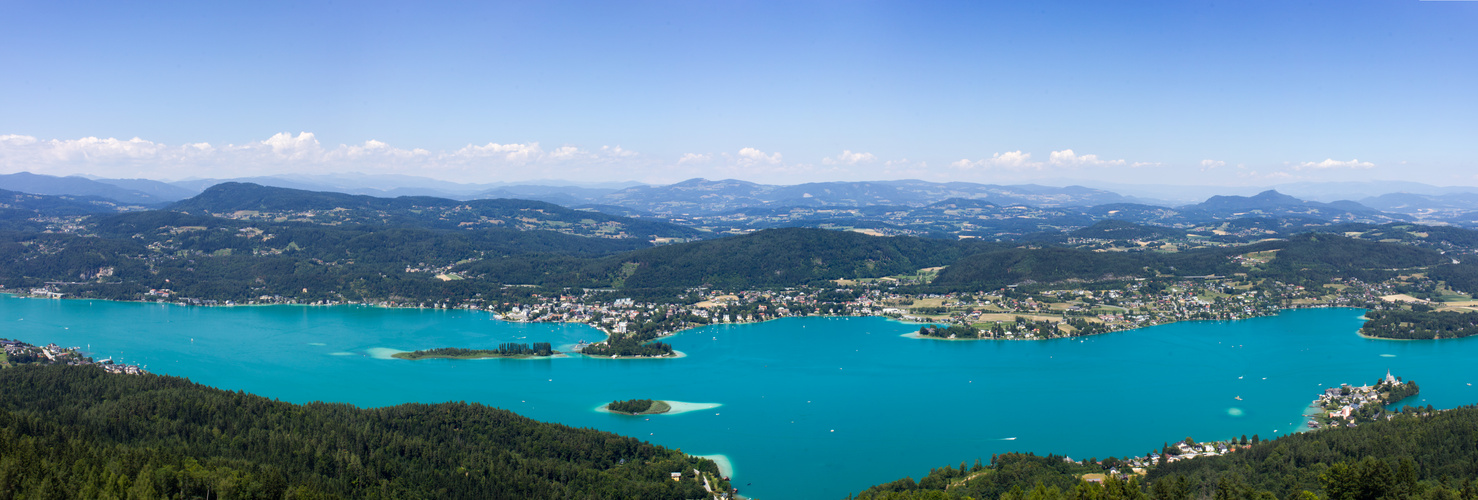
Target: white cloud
x=513, y=153
x=616, y=151
x=1270, y=176
x=694, y=158
x=1067, y=158
x=1211, y=164
x=564, y=153
x=849, y=158
x=285, y=144
x=17, y=140
x=752, y=155
x=1015, y=160
x=1331, y=163
x=302, y=153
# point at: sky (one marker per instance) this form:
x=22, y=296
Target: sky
x=1237, y=93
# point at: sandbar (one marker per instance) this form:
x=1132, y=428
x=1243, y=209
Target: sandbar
x=383, y=352
x=684, y=407
x=725, y=466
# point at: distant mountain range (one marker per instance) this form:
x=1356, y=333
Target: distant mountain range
x=703, y=198
x=126, y=191
x=246, y=201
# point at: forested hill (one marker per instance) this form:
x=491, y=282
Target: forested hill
x=218, y=259
x=125, y=256
x=229, y=197
x=77, y=432
x=1400, y=458
x=1111, y=229
x=1417, y=454
x=39, y=212
x=51, y=205
x=1312, y=258
x=248, y=201
x=785, y=257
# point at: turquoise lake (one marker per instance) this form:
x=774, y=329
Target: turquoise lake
x=810, y=407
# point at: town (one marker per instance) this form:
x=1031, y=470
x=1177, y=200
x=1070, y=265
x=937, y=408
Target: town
x=1349, y=405
x=21, y=353
x=1346, y=406
x=1018, y=312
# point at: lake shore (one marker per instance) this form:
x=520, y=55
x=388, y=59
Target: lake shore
x=917, y=336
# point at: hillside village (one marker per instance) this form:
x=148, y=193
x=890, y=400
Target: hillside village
x=21, y=353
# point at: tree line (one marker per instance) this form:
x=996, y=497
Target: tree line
x=632, y=406
x=1418, y=324
x=77, y=432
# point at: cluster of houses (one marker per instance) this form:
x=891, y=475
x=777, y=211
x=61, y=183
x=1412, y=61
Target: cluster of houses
x=1139, y=307
x=1184, y=450
x=17, y=352
x=1212, y=449
x=1343, y=404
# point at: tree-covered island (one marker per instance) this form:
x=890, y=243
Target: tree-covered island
x=639, y=407
x=505, y=350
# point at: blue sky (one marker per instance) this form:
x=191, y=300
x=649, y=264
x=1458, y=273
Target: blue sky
x=1237, y=93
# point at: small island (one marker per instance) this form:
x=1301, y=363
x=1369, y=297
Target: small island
x=639, y=407
x=629, y=347
x=505, y=350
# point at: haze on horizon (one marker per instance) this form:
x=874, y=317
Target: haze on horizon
x=1237, y=94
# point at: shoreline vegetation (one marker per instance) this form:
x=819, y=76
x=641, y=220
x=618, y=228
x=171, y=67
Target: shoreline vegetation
x=675, y=354
x=506, y=350
x=639, y=407
x=1361, y=442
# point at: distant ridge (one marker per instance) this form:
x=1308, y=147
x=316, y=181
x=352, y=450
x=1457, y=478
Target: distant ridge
x=1271, y=202
x=238, y=198
x=27, y=182
x=703, y=196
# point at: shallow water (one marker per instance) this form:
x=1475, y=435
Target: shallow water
x=810, y=407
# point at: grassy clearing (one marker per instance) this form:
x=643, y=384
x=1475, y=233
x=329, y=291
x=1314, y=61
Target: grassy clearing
x=658, y=406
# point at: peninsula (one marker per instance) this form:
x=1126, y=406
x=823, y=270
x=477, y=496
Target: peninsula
x=1350, y=405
